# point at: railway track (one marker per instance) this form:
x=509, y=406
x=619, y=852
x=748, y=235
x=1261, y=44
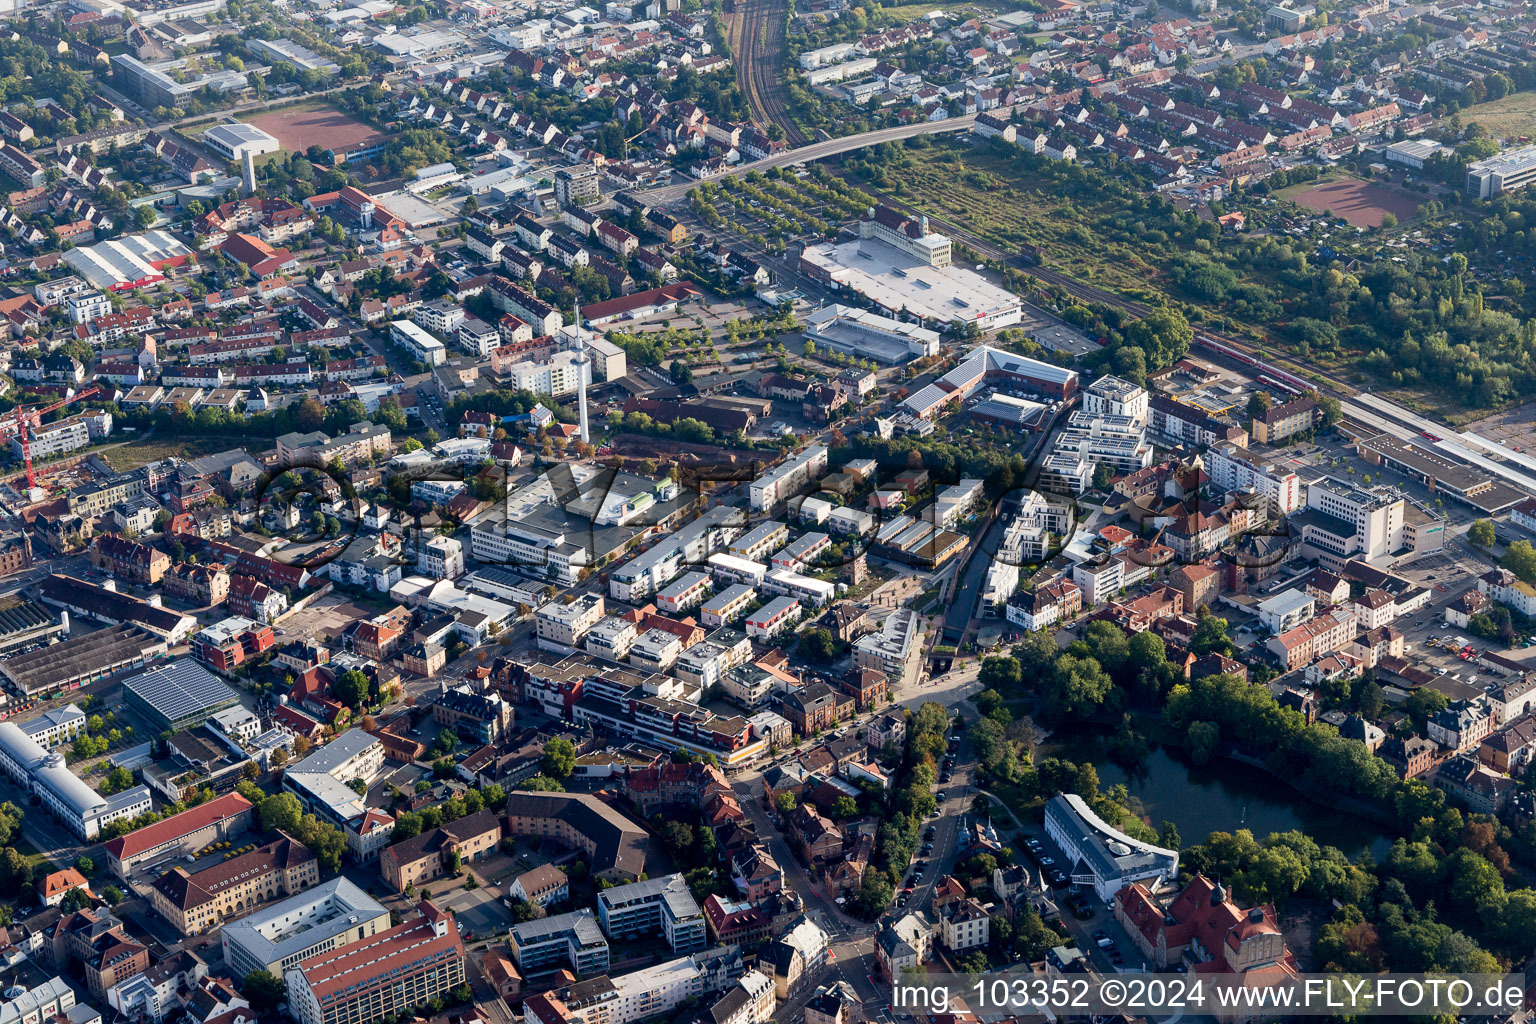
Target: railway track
x=759, y=48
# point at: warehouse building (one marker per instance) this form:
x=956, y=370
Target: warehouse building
x=132, y=261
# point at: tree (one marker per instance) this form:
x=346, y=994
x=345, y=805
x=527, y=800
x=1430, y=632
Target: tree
x=1102, y=476
x=999, y=672
x=1258, y=404
x=351, y=689
x=785, y=803
x=85, y=866
x=1203, y=738
x=112, y=895
x=845, y=807
x=1481, y=533
x=407, y=826
x=281, y=811
x=819, y=645
x=263, y=989
x=1107, y=642
x=1210, y=636
x=1520, y=559
x=875, y=893
x=559, y=758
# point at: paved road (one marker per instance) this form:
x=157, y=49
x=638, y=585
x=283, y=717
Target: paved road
x=818, y=151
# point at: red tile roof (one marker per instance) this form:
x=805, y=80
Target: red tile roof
x=177, y=826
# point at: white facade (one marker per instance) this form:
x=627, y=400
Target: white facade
x=418, y=342
x=783, y=480
x=654, y=991
x=443, y=558
x=1231, y=468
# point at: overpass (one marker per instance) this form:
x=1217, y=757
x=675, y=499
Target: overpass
x=667, y=194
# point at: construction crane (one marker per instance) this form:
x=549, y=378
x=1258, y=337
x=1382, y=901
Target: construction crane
x=32, y=416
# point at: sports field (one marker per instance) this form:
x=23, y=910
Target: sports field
x=305, y=125
x=1359, y=202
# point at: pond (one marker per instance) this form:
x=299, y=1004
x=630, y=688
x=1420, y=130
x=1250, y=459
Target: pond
x=1223, y=796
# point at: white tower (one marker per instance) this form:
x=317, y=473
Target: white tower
x=583, y=371
x=248, y=171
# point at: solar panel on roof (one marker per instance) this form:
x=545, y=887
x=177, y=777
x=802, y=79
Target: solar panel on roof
x=180, y=688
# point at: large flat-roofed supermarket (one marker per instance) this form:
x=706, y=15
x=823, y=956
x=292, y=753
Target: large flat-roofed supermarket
x=904, y=268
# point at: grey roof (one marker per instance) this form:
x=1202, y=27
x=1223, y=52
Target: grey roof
x=672, y=889
x=336, y=753
x=180, y=688
x=1108, y=852
x=349, y=905
x=579, y=923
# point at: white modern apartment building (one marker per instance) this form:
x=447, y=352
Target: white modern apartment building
x=1286, y=610
x=683, y=593
x=1087, y=440
x=1026, y=542
x=559, y=375
x=652, y=569
x=728, y=605
x=653, y=905
x=773, y=618
x=611, y=638
x=796, y=472
x=53, y=439
x=892, y=647
x=418, y=342
x=1232, y=468
x=443, y=558
x=654, y=991
x=1113, y=396
x=565, y=625
x=760, y=541
x=1352, y=523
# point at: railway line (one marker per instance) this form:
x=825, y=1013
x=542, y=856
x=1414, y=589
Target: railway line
x=759, y=48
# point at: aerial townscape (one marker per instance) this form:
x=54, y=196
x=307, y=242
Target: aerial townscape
x=698, y=511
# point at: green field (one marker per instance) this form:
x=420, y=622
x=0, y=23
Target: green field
x=1512, y=116
x=995, y=197
x=138, y=453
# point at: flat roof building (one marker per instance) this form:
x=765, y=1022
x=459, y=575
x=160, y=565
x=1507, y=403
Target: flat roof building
x=331, y=915
x=1103, y=856
x=547, y=944
x=235, y=140
x=865, y=335
x=902, y=284
x=43, y=774
x=1510, y=170
x=382, y=975
x=179, y=695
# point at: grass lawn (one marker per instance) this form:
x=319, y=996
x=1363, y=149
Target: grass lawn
x=138, y=453
x=1513, y=115
x=40, y=865
x=1290, y=192
x=993, y=196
